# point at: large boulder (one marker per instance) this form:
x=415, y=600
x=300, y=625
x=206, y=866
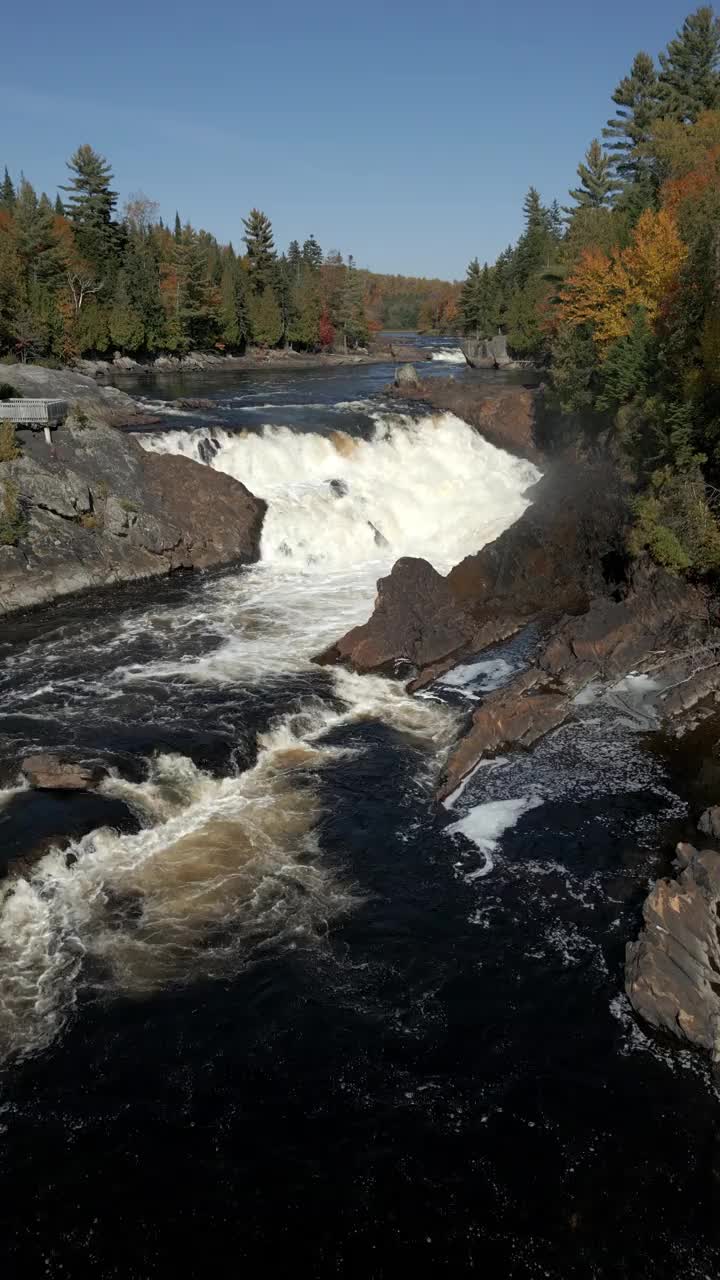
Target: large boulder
x=46, y=772
x=487, y=353
x=505, y=416
x=672, y=972
x=98, y=510
x=417, y=621
x=406, y=375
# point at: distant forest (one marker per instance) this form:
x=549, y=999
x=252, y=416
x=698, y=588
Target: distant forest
x=617, y=295
x=79, y=278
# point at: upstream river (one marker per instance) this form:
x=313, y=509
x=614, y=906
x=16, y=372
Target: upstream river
x=262, y=1003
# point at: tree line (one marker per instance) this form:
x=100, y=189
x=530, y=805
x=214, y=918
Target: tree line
x=77, y=277
x=618, y=294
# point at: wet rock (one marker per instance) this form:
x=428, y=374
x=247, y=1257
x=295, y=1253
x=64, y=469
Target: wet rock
x=194, y=402
x=406, y=375
x=416, y=621
x=672, y=972
x=124, y=362
x=709, y=823
x=518, y=715
x=47, y=772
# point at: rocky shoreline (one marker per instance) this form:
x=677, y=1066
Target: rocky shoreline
x=255, y=359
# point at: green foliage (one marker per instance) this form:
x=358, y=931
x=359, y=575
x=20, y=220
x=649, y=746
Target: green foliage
x=265, y=319
x=574, y=369
x=9, y=447
x=260, y=250
x=689, y=82
x=9, y=392
x=91, y=206
x=675, y=522
x=627, y=367
x=479, y=304
x=597, y=185
x=13, y=521
x=637, y=100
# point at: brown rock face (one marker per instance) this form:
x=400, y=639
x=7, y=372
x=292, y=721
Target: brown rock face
x=416, y=620
x=549, y=562
x=221, y=519
x=672, y=973
x=518, y=715
x=57, y=773
x=504, y=415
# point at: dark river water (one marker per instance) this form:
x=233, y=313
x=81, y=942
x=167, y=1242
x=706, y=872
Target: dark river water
x=262, y=1002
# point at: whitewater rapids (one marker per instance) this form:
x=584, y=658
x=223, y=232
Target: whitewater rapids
x=223, y=867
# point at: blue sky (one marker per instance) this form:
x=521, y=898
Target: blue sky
x=406, y=134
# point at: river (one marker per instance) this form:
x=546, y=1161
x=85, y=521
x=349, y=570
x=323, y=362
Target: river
x=261, y=1001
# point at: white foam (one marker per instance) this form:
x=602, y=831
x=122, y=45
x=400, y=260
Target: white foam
x=449, y=356
x=484, y=824
x=474, y=678
x=431, y=488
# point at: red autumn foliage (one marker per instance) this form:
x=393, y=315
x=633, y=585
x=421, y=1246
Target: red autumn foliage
x=326, y=330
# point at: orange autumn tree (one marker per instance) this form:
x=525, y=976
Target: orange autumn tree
x=603, y=290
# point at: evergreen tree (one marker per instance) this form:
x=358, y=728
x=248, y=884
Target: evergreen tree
x=352, y=321
x=479, y=301
x=260, y=250
x=265, y=318
x=92, y=202
x=295, y=261
x=305, y=311
x=597, y=185
x=637, y=100
x=555, y=221
x=312, y=253
x=35, y=237
x=7, y=194
x=178, y=227
x=127, y=331
x=59, y=207
x=689, y=81
x=626, y=368
x=141, y=275
x=534, y=247
x=234, y=321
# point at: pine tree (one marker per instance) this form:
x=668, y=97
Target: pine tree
x=59, y=207
x=178, y=226
x=91, y=206
x=312, y=253
x=260, y=250
x=689, y=80
x=637, y=100
x=7, y=194
x=469, y=300
x=597, y=185
x=555, y=221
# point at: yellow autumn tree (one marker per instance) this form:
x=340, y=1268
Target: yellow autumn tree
x=603, y=290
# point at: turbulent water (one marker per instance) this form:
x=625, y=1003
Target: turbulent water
x=259, y=998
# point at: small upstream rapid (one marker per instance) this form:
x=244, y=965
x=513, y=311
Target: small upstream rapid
x=260, y=999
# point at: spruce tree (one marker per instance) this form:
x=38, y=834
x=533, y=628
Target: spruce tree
x=265, y=318
x=234, y=323
x=35, y=234
x=533, y=248
x=7, y=193
x=260, y=250
x=59, y=207
x=469, y=304
x=597, y=184
x=352, y=320
x=689, y=81
x=637, y=100
x=178, y=227
x=312, y=253
x=127, y=331
x=294, y=260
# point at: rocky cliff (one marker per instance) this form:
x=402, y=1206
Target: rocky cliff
x=93, y=509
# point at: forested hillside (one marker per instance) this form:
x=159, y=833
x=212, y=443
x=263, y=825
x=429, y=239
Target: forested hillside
x=77, y=277
x=619, y=293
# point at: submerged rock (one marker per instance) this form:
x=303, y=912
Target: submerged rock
x=46, y=772
x=672, y=972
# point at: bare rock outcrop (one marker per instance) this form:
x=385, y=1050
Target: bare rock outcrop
x=95, y=509
x=672, y=972
x=47, y=772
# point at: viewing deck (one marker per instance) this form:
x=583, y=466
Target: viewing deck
x=35, y=414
